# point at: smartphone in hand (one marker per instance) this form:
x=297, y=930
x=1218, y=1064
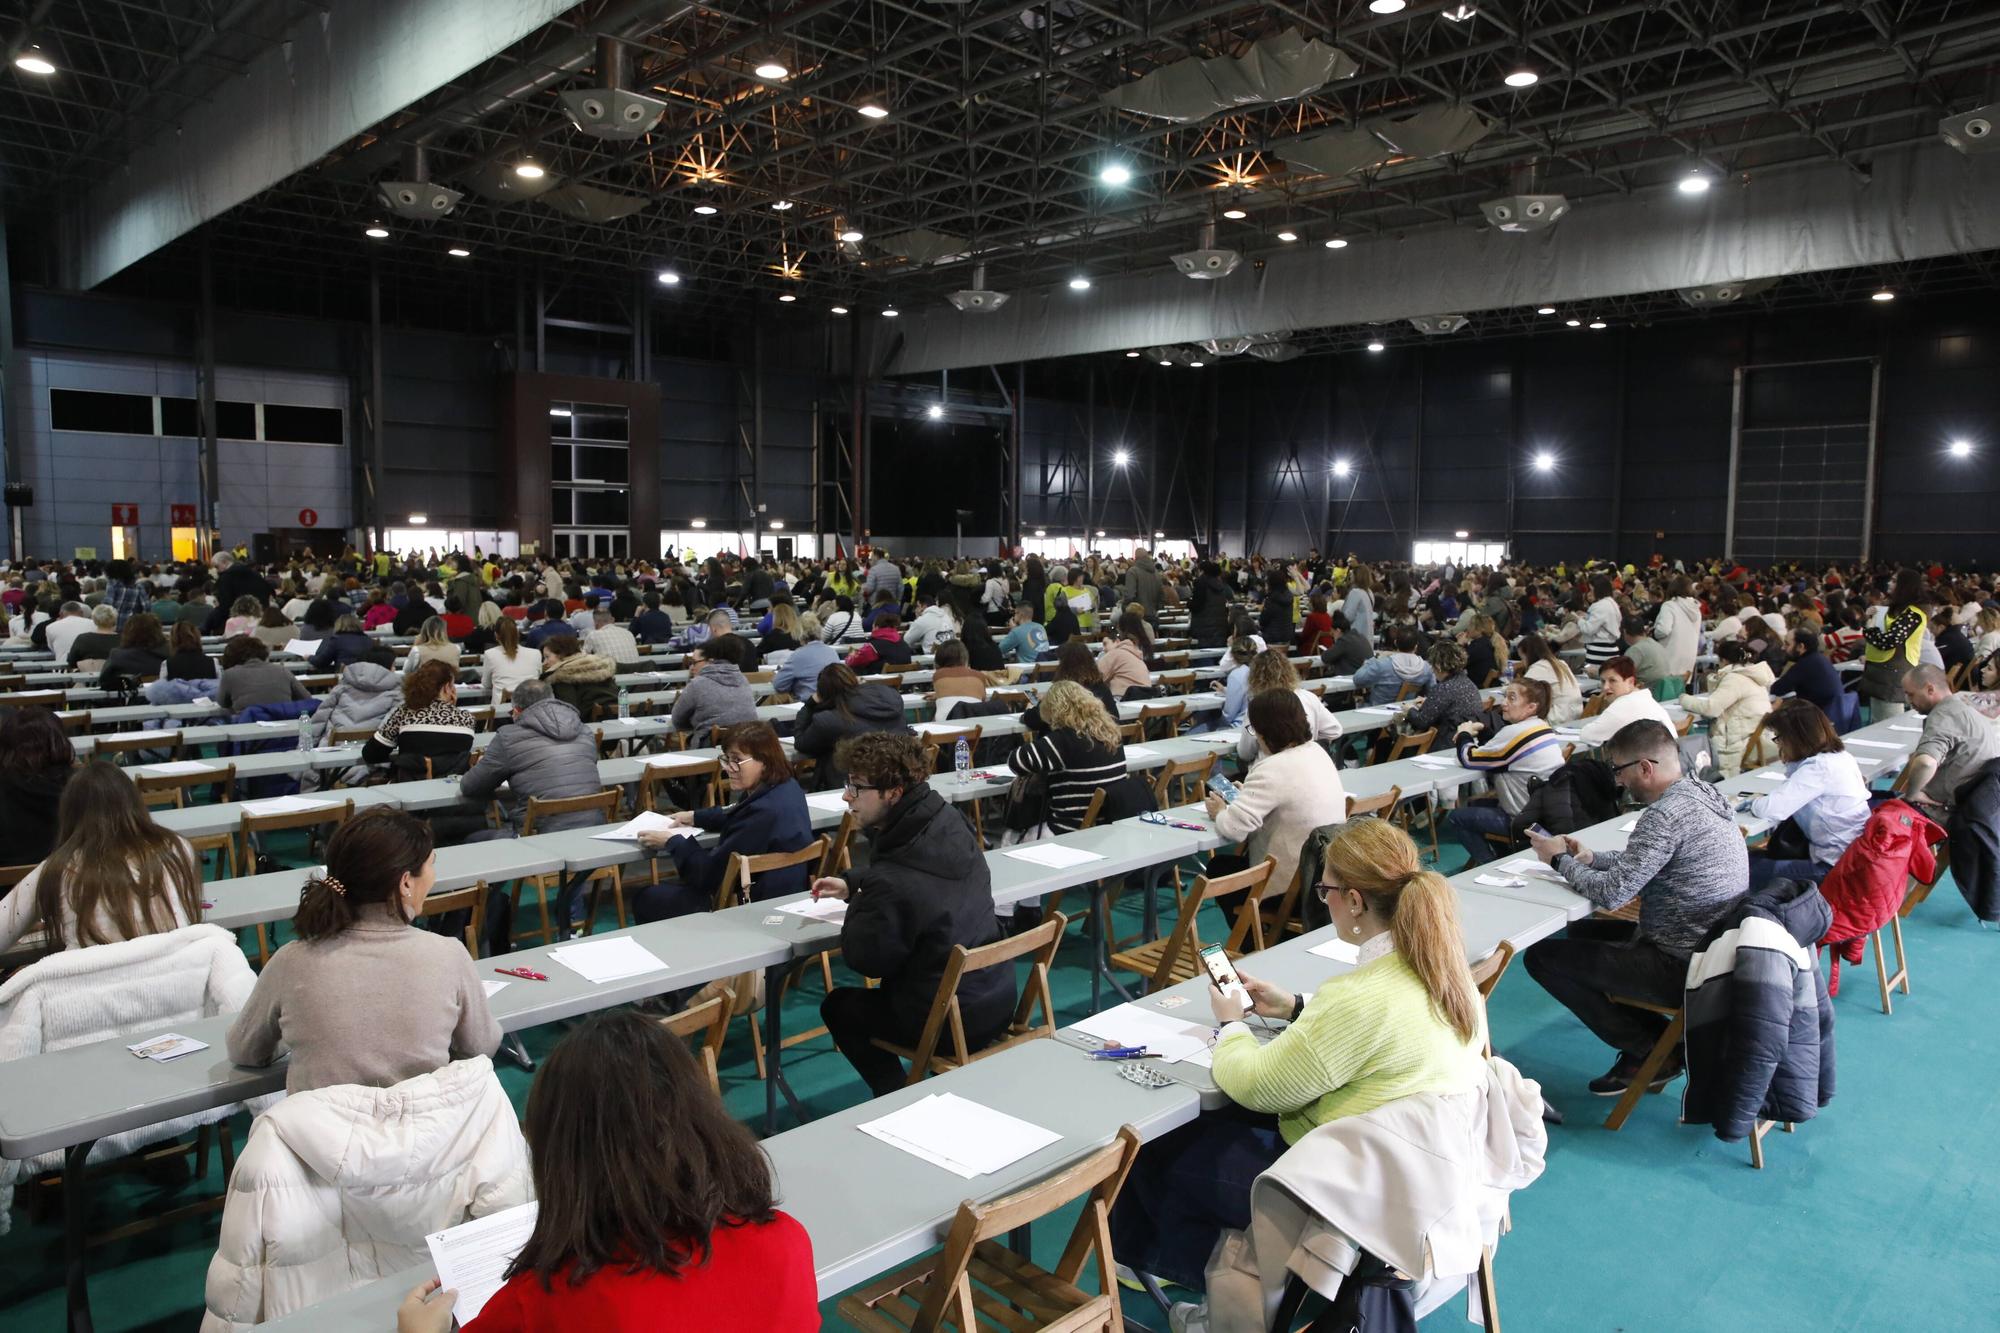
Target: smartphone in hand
x=1224, y=788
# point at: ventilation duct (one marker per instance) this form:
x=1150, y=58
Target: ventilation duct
x=417, y=198
x=976, y=300
x=590, y=204
x=1435, y=325
x=1210, y=261
x=1274, y=69
x=920, y=245
x=612, y=111
x=1725, y=293
x=1519, y=213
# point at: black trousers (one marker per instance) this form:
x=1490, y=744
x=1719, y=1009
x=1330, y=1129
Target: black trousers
x=855, y=1016
x=1598, y=959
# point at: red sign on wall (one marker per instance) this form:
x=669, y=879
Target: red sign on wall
x=124, y=516
x=183, y=515
x=308, y=517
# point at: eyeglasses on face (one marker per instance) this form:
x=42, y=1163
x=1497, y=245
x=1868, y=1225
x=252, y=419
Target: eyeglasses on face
x=1616, y=769
x=856, y=788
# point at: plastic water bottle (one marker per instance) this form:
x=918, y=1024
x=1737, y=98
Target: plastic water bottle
x=624, y=706
x=961, y=759
x=305, y=731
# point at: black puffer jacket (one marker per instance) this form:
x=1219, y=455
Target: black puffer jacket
x=821, y=727
x=1208, y=613
x=1759, y=1037
x=1974, y=833
x=1580, y=793
x=925, y=890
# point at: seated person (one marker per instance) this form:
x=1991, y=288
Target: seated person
x=1123, y=661
x=349, y=643
x=1808, y=674
x=716, y=694
x=426, y=735
x=1451, y=700
x=799, y=672
x=1736, y=702
x=360, y=996
x=954, y=678
x=1626, y=702
x=1822, y=806
x=842, y=705
x=1234, y=687
x=1406, y=1022
x=1543, y=663
x=1649, y=659
x=1348, y=650
x=113, y=875
x=1382, y=679
x=1077, y=750
x=767, y=813
x=188, y=660
x=37, y=762
x=433, y=644
x=580, y=678
x=1522, y=753
x=925, y=890
x=545, y=622
x=1075, y=664
x=250, y=680
x=1957, y=742
x=141, y=652
x=1292, y=789
x=1684, y=862
x=689, y=1237
x=654, y=624
x=97, y=643
x=1025, y=639
x=884, y=644
x=1271, y=672
x=610, y=640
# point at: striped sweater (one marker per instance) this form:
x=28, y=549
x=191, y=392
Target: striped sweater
x=1367, y=1038
x=1518, y=756
x=1075, y=767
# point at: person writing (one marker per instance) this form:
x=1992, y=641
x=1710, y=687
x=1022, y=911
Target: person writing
x=768, y=814
x=1824, y=798
x=113, y=875
x=1405, y=1022
x=925, y=889
x=685, y=1235
x=361, y=996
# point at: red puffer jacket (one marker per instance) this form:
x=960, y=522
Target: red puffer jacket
x=1867, y=885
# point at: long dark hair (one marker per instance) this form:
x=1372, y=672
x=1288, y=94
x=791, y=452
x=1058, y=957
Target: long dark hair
x=1074, y=662
x=836, y=685
x=366, y=859
x=33, y=742
x=114, y=864
x=619, y=1077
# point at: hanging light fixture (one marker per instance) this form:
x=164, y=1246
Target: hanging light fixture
x=771, y=71
x=528, y=169
x=34, y=60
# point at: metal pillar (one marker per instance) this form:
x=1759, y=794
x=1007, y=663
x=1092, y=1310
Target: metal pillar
x=377, y=451
x=10, y=443
x=1618, y=446
x=1089, y=453
x=205, y=450
x=857, y=439
x=750, y=432
x=1417, y=455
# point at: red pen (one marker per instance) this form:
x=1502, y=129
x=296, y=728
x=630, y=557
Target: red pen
x=520, y=972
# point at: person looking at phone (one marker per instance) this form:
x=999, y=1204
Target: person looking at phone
x=1523, y=752
x=1405, y=1021
x=1292, y=789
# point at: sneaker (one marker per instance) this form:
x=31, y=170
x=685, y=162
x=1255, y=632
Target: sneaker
x=1614, y=1081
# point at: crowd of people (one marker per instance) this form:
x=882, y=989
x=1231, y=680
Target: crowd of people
x=363, y=997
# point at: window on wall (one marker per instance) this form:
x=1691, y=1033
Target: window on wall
x=302, y=425
x=589, y=466
x=105, y=413
x=165, y=415
x=1463, y=554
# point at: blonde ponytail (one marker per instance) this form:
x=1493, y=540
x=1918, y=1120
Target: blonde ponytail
x=1425, y=926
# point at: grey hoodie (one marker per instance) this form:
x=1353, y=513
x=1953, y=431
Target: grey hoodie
x=546, y=753
x=719, y=696
x=365, y=694
x=1685, y=862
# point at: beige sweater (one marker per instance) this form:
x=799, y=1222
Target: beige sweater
x=376, y=1004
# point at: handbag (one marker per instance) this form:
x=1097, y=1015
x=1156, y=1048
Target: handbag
x=1027, y=803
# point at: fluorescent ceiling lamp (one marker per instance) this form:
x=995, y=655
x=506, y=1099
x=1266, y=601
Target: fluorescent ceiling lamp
x=1574, y=323
x=1234, y=214
x=1374, y=347
x=872, y=110
x=780, y=205
x=1131, y=354
x=1522, y=78
x=771, y=69
x=418, y=520
x=839, y=310
x=697, y=522
x=1337, y=243
x=559, y=411
x=706, y=210
x=1961, y=448
x=891, y=312
x=1461, y=534
x=1599, y=324
x=777, y=525
x=1196, y=365
x=1115, y=173
x=1694, y=183
x=1079, y=284
x=1100, y=532
x=34, y=61
x=459, y=252
x=529, y=170
x=1546, y=310
x=668, y=277
x=1158, y=535
x=1166, y=363
x=1041, y=532
x=1288, y=235
x=787, y=297
x=852, y=236
x=376, y=231
x=1884, y=295
x=1387, y=6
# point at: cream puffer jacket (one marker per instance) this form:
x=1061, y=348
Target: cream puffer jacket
x=1741, y=697
x=339, y=1186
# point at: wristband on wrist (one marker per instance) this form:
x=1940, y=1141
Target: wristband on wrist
x=1298, y=1007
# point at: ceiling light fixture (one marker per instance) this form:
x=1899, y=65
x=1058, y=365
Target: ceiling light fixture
x=1522, y=77
x=34, y=61
x=376, y=231
x=935, y=411
x=697, y=522
x=1159, y=536
x=1165, y=362
x=1599, y=324
x=839, y=310
x=1387, y=6
x=1961, y=448
x=1694, y=183
x=890, y=312
x=1460, y=13
x=1884, y=295
x=706, y=210
x=1131, y=354
x=787, y=297
x=1079, y=284
x=1461, y=534
x=668, y=277
x=1196, y=365
x=1375, y=347
x=1341, y=467
x=771, y=69
x=1574, y=323
x=528, y=169
x=418, y=520
x=459, y=252
x=1544, y=461
x=852, y=236
x=1234, y=214
x=1115, y=173
x=1120, y=458
x=1041, y=532
x=780, y=205
x=872, y=110
x=1100, y=532
x=1545, y=310
x=1337, y=243
x=777, y=525
x=1288, y=235
x=559, y=412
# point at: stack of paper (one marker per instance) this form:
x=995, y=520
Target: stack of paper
x=961, y=1136
x=830, y=910
x=1894, y=726
x=1052, y=854
x=599, y=961
x=1877, y=745
x=1171, y=1039
x=283, y=805
x=646, y=821
x=472, y=1259
x=1141, y=752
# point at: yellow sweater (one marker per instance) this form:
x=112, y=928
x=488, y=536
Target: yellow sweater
x=1366, y=1038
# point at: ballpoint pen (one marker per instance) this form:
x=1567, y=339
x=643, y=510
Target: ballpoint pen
x=1124, y=1053
x=521, y=972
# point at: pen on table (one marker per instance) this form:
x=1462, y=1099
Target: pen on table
x=520, y=972
x=1124, y=1053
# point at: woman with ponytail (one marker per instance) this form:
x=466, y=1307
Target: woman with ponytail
x=1405, y=1021
x=361, y=996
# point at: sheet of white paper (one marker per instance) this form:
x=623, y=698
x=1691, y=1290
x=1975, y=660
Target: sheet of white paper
x=1340, y=951
x=1867, y=760
x=614, y=959
x=1053, y=855
x=1141, y=752
x=175, y=767
x=282, y=805
x=674, y=761
x=832, y=910
x=967, y=1138
x=1131, y=1025
x=1773, y=778
x=276, y=723
x=493, y=987
x=152, y=735
x=827, y=800
x=1231, y=736
x=931, y=728
x=646, y=821
x=472, y=1259
x=1499, y=881
x=303, y=647
x=1435, y=760
x=1380, y=708
x=1897, y=726
x=1531, y=869
x=1628, y=826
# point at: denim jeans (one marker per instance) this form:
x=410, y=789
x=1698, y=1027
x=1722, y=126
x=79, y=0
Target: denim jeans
x=1595, y=960
x=1186, y=1187
x=1471, y=823
x=1764, y=869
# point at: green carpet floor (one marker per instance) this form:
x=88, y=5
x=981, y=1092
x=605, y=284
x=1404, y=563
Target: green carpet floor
x=1879, y=1215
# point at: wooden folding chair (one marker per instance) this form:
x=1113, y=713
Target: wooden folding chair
x=1415, y=742
x=705, y=773
x=1089, y=820
x=739, y=876
x=1178, y=957
x=708, y=1020
x=243, y=852
x=1886, y=981
x=1656, y=1059
x=1180, y=781
x=118, y=748
x=53, y=699
x=1177, y=682
x=348, y=735
x=976, y=1282
x=937, y=744
x=1486, y=974
x=1920, y=889
x=472, y=899
x=1380, y=806
x=1159, y=721
x=946, y=1018
x=604, y=804
x=170, y=791
x=1407, y=690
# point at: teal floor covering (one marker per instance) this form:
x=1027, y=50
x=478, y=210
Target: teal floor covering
x=1882, y=1214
